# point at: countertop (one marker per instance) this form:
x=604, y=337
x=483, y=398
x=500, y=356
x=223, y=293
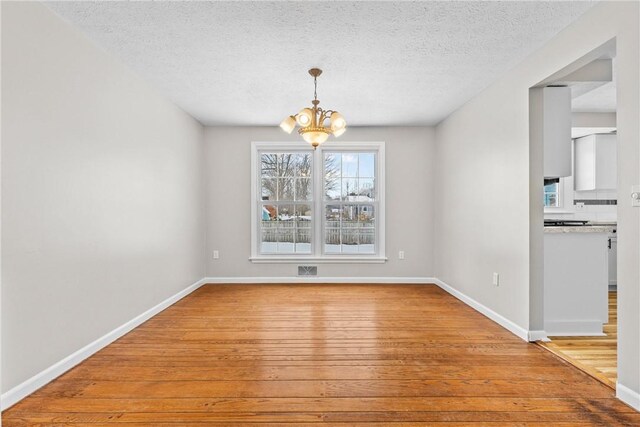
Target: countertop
x=608, y=228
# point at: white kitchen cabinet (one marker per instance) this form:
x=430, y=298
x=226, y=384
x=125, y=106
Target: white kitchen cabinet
x=595, y=161
x=576, y=281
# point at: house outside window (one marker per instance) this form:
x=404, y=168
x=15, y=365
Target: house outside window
x=325, y=205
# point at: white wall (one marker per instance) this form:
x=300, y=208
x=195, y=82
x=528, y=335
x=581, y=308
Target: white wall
x=409, y=202
x=102, y=193
x=483, y=168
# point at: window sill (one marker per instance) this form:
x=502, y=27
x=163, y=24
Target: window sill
x=266, y=259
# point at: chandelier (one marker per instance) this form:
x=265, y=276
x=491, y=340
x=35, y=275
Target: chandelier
x=312, y=120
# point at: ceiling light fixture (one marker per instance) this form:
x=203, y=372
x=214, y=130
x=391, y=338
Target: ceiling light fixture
x=312, y=120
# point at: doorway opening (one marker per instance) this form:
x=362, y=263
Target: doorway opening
x=574, y=226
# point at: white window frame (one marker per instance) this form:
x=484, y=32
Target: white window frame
x=317, y=248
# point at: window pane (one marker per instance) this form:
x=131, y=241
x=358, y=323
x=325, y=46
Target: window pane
x=285, y=189
x=269, y=188
x=366, y=189
x=366, y=215
x=269, y=213
x=303, y=240
x=332, y=192
x=303, y=188
x=268, y=165
x=551, y=200
x=367, y=164
x=349, y=188
x=349, y=238
x=551, y=191
x=303, y=216
x=349, y=165
x=332, y=240
x=286, y=230
x=286, y=212
x=332, y=171
x=268, y=241
x=367, y=241
x=349, y=213
x=302, y=165
x=333, y=214
x=551, y=188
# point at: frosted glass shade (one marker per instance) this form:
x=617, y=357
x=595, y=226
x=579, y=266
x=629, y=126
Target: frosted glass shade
x=339, y=132
x=337, y=122
x=288, y=124
x=304, y=117
x=314, y=138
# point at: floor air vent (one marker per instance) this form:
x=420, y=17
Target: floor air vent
x=307, y=270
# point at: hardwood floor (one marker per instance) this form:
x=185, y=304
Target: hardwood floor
x=598, y=356
x=334, y=354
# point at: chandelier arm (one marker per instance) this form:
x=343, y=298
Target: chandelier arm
x=323, y=117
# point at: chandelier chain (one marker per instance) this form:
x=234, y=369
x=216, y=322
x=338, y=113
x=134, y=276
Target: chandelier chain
x=315, y=88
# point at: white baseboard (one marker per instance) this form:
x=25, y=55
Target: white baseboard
x=538, y=336
x=24, y=389
x=628, y=396
x=499, y=319
x=319, y=279
x=31, y=385
x=585, y=328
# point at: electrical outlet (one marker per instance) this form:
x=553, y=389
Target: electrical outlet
x=400, y=254
x=496, y=279
x=216, y=254
x=579, y=206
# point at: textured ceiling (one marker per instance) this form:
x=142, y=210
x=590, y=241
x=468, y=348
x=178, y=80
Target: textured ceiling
x=385, y=63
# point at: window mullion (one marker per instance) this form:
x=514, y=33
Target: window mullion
x=318, y=199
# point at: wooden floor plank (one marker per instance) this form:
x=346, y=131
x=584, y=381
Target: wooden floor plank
x=274, y=355
x=597, y=356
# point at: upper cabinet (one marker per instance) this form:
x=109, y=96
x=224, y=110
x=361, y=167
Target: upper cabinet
x=556, y=131
x=595, y=163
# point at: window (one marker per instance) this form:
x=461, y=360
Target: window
x=322, y=206
x=285, y=203
x=349, y=202
x=552, y=193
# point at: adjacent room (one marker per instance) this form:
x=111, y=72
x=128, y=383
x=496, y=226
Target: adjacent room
x=337, y=213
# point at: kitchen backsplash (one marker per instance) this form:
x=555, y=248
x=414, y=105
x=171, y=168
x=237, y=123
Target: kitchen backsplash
x=598, y=206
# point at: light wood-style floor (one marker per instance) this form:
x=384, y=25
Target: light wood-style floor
x=598, y=356
x=401, y=355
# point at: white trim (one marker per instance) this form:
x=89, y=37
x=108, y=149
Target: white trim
x=538, y=336
x=499, y=319
x=279, y=259
x=317, y=202
x=318, y=279
x=584, y=328
x=29, y=386
x=628, y=396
